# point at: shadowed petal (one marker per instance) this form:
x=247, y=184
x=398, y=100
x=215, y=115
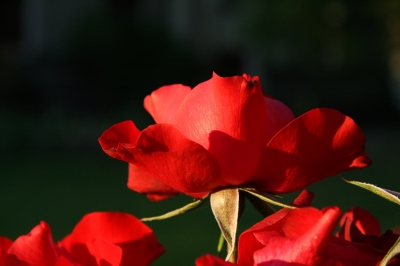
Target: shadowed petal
x=5, y=243
x=359, y=226
x=163, y=103
x=141, y=252
x=105, y=252
x=62, y=261
x=138, y=179
x=143, y=182
x=164, y=153
x=178, y=162
x=278, y=116
x=365, y=221
x=320, y=143
x=342, y=252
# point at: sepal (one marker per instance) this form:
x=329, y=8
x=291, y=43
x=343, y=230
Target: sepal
x=266, y=197
x=225, y=206
x=390, y=195
x=189, y=207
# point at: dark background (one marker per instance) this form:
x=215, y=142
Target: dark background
x=71, y=69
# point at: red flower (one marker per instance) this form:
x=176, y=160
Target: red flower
x=359, y=226
x=102, y=238
x=225, y=132
x=301, y=236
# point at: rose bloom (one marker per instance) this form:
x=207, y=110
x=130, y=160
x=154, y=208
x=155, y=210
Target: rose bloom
x=100, y=238
x=226, y=132
x=303, y=236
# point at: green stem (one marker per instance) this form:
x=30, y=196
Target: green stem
x=221, y=243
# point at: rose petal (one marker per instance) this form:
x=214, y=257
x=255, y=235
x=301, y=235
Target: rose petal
x=36, y=248
x=387, y=240
x=124, y=132
x=304, y=199
x=365, y=222
x=163, y=103
x=320, y=143
x=303, y=236
x=299, y=238
x=248, y=243
x=278, y=116
x=143, y=182
x=5, y=243
x=210, y=260
x=12, y=260
x=227, y=117
x=342, y=252
x=359, y=226
x=176, y=161
x=121, y=229
x=351, y=233
x=115, y=227
x=63, y=261
x=138, y=179
x=105, y=252
x=141, y=252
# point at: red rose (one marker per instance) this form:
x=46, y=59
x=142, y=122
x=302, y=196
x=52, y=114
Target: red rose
x=301, y=236
x=359, y=226
x=225, y=132
x=101, y=238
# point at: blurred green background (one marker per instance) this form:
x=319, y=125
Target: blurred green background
x=71, y=69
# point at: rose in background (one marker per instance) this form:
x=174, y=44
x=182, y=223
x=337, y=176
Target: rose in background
x=100, y=238
x=226, y=133
x=359, y=226
x=303, y=236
